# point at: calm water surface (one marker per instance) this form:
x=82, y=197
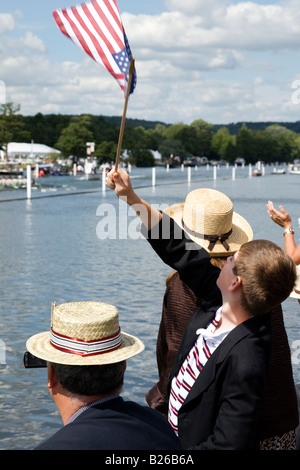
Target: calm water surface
x=51, y=251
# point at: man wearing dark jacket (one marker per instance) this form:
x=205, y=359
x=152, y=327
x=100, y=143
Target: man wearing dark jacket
x=86, y=353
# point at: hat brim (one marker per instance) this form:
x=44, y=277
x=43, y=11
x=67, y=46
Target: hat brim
x=39, y=345
x=241, y=232
x=294, y=294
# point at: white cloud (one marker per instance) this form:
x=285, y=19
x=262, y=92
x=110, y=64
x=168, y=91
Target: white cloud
x=212, y=10
x=200, y=59
x=7, y=23
x=32, y=41
x=246, y=25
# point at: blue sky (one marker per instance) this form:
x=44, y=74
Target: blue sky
x=219, y=60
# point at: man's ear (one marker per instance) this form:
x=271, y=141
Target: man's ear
x=235, y=284
x=52, y=379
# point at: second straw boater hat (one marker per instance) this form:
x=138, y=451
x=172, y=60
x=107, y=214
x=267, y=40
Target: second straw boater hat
x=295, y=294
x=208, y=218
x=84, y=333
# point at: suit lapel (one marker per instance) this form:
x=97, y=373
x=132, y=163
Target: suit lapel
x=200, y=319
x=208, y=373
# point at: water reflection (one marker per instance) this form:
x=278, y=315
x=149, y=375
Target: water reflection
x=50, y=251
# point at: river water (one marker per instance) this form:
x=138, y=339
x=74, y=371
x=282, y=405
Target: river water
x=59, y=246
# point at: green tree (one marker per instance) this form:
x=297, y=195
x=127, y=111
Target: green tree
x=195, y=138
x=264, y=147
x=221, y=141
x=154, y=138
x=190, y=140
x=284, y=143
x=173, y=131
x=11, y=125
x=245, y=145
x=205, y=132
x=106, y=151
x=103, y=130
x=160, y=130
x=171, y=146
x=297, y=146
x=231, y=153
x=143, y=158
x=73, y=138
x=46, y=129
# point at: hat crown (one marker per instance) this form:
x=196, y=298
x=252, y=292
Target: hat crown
x=85, y=321
x=84, y=333
x=208, y=212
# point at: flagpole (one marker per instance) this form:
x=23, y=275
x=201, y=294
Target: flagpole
x=131, y=70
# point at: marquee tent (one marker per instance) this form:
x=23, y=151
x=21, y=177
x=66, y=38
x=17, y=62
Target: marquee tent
x=19, y=149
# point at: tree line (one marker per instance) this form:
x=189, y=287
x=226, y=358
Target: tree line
x=272, y=142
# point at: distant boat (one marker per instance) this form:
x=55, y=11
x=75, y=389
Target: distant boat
x=60, y=170
x=240, y=161
x=10, y=169
x=294, y=170
x=257, y=172
x=278, y=171
x=92, y=176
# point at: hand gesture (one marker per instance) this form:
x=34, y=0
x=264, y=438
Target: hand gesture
x=281, y=218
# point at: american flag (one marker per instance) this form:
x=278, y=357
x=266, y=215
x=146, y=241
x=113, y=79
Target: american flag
x=97, y=28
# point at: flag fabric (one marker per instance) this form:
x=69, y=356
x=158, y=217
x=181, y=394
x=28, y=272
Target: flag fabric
x=97, y=28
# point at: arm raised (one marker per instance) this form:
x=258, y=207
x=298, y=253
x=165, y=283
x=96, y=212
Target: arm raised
x=283, y=219
x=120, y=182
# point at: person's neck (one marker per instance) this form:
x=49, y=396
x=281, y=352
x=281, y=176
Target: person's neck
x=69, y=405
x=231, y=317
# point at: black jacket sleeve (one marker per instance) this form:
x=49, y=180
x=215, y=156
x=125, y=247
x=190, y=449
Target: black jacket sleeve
x=192, y=262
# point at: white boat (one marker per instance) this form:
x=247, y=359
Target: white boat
x=278, y=171
x=11, y=169
x=92, y=176
x=294, y=169
x=257, y=172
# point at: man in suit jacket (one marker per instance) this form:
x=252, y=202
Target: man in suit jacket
x=86, y=354
x=219, y=373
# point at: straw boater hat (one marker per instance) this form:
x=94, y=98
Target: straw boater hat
x=295, y=294
x=208, y=218
x=84, y=333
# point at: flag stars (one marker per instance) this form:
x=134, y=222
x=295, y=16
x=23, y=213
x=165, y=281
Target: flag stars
x=123, y=62
x=122, y=59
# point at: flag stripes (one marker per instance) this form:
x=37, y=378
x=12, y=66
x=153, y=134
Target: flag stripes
x=96, y=27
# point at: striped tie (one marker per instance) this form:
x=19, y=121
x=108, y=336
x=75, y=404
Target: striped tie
x=206, y=344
